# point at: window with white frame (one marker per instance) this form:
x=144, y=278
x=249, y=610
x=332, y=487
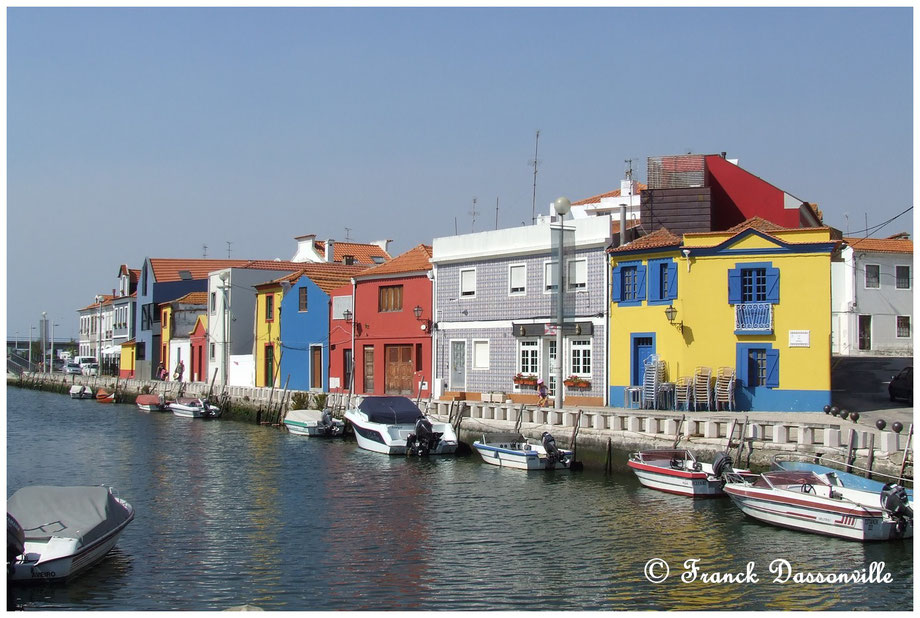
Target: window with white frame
x=903, y=326
x=577, y=275
x=517, y=279
x=468, y=282
x=549, y=276
x=529, y=357
x=872, y=275
x=480, y=353
x=581, y=357
x=902, y=277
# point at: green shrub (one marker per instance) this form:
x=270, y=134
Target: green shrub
x=320, y=400
x=300, y=401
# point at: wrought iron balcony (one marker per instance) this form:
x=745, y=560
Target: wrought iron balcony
x=754, y=318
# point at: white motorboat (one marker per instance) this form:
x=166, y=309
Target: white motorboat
x=81, y=391
x=151, y=403
x=396, y=426
x=65, y=530
x=194, y=408
x=803, y=500
x=314, y=423
x=835, y=476
x=677, y=471
x=514, y=451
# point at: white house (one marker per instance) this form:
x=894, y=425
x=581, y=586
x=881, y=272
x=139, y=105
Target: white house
x=872, y=297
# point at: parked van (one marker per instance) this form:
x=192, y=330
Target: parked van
x=84, y=360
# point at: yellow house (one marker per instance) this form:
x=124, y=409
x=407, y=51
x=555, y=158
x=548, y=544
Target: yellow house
x=126, y=360
x=166, y=312
x=755, y=299
x=268, y=333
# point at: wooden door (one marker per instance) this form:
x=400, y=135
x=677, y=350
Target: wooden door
x=368, y=370
x=399, y=370
x=316, y=367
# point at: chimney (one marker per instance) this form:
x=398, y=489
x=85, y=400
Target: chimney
x=305, y=250
x=330, y=250
x=622, y=224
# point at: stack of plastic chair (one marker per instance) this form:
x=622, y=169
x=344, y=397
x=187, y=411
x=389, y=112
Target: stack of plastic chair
x=683, y=392
x=650, y=381
x=702, y=394
x=725, y=389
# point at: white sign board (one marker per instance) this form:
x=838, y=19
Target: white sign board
x=800, y=339
x=333, y=382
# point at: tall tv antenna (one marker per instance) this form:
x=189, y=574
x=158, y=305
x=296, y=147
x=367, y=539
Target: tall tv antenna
x=347, y=233
x=535, y=162
x=204, y=252
x=473, y=214
x=496, y=213
x=629, y=170
x=228, y=249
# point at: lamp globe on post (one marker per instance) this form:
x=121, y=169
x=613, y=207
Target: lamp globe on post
x=562, y=205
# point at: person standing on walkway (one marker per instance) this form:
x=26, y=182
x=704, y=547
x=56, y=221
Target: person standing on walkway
x=543, y=401
x=180, y=369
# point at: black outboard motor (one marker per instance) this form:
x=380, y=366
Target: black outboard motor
x=424, y=440
x=553, y=454
x=893, y=499
x=722, y=465
x=15, y=540
x=326, y=421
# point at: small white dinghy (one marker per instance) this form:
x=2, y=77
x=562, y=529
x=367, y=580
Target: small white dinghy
x=315, y=423
x=677, y=471
x=151, y=403
x=194, y=408
x=81, y=391
x=513, y=451
x=65, y=530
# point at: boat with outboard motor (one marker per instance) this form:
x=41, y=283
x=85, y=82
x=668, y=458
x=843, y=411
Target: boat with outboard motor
x=835, y=476
x=151, y=403
x=315, y=423
x=803, y=500
x=515, y=451
x=187, y=407
x=386, y=424
x=677, y=471
x=81, y=391
x=64, y=530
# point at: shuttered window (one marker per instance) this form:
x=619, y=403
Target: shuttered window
x=390, y=298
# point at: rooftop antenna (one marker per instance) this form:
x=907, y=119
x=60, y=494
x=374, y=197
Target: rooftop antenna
x=535, y=161
x=629, y=170
x=204, y=252
x=473, y=213
x=456, y=231
x=347, y=233
x=496, y=213
x=228, y=249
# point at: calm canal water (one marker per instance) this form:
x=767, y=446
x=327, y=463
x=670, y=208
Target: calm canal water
x=230, y=513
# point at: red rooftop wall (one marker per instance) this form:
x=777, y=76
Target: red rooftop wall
x=738, y=195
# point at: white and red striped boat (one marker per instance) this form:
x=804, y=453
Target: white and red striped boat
x=803, y=500
x=677, y=471
x=151, y=403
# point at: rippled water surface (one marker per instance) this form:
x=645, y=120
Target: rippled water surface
x=230, y=513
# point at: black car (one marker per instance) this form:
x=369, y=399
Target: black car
x=902, y=385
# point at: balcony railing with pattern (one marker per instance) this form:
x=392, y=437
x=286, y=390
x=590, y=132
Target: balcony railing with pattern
x=754, y=317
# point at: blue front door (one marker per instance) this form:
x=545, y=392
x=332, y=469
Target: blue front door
x=643, y=346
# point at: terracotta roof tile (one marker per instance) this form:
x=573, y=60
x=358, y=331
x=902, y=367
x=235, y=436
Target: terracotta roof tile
x=757, y=223
x=363, y=253
x=630, y=224
x=658, y=239
x=417, y=259
x=327, y=276
x=597, y=198
x=167, y=269
x=880, y=245
x=193, y=298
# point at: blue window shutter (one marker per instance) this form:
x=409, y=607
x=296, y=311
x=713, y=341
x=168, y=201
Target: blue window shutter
x=734, y=286
x=773, y=285
x=672, y=280
x=772, y=369
x=741, y=365
x=640, y=282
x=616, y=294
x=654, y=281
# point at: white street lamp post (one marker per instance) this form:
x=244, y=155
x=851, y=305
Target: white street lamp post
x=562, y=206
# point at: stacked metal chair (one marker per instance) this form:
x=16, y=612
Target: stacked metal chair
x=702, y=391
x=725, y=389
x=683, y=392
x=652, y=379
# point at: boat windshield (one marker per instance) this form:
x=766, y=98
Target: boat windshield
x=786, y=478
x=390, y=410
x=666, y=455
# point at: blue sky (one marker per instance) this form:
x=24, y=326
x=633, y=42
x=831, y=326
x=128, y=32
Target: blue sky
x=153, y=131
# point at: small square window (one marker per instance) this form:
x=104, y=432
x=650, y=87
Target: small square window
x=903, y=326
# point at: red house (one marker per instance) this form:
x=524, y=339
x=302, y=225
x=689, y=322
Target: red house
x=389, y=326
x=198, y=340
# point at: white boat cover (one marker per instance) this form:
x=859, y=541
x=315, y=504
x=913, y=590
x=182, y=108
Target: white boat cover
x=84, y=513
x=304, y=416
